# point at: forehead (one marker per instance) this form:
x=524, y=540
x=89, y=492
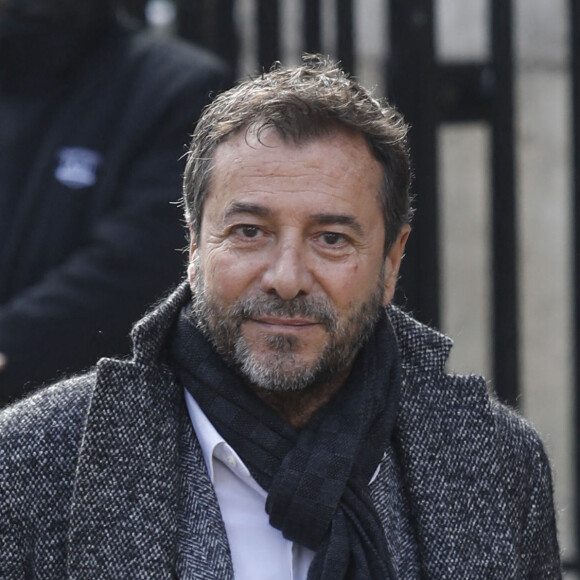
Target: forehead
x=336, y=167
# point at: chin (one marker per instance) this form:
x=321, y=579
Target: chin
x=278, y=374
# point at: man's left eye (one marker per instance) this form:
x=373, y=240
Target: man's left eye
x=332, y=238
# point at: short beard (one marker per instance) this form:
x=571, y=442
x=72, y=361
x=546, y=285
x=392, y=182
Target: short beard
x=281, y=370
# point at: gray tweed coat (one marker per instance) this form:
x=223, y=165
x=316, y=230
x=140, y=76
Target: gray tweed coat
x=101, y=476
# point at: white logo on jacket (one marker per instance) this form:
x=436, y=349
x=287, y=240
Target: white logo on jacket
x=77, y=167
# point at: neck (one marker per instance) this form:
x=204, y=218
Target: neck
x=298, y=407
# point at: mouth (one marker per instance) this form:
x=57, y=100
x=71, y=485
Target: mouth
x=281, y=323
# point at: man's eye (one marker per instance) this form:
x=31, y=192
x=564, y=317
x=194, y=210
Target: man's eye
x=332, y=239
x=248, y=231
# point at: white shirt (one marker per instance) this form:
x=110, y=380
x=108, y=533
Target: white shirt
x=259, y=551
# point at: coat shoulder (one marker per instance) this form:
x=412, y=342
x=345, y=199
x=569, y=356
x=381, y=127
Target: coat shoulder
x=55, y=408
x=41, y=434
x=522, y=445
x=465, y=452
x=529, y=492
x=40, y=438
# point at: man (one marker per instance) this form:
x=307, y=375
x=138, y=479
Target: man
x=93, y=118
x=276, y=421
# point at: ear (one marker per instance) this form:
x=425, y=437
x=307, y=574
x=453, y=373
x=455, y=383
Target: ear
x=393, y=263
x=192, y=250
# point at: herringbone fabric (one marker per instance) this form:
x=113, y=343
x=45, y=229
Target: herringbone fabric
x=193, y=516
x=491, y=465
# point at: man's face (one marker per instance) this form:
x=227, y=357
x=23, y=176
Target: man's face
x=289, y=272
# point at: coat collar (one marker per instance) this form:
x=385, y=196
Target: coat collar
x=151, y=333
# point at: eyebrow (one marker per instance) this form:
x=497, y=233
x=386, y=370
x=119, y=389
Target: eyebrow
x=347, y=220
x=238, y=207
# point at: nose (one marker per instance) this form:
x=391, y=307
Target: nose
x=287, y=273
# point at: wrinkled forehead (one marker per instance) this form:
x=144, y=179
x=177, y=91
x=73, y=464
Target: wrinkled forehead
x=261, y=142
x=332, y=159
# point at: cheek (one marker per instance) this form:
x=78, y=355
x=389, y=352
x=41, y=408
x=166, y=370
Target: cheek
x=342, y=283
x=228, y=276
x=350, y=284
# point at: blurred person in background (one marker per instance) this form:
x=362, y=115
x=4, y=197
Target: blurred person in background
x=93, y=121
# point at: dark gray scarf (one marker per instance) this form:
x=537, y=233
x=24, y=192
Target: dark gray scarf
x=316, y=478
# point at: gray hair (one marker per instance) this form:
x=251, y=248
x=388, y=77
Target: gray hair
x=303, y=103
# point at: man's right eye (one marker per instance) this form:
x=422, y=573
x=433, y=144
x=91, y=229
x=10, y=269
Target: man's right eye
x=247, y=231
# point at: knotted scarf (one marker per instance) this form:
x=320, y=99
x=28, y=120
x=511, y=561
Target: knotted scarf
x=317, y=477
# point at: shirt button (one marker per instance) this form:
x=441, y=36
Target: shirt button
x=231, y=461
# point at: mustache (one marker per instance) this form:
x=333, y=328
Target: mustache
x=316, y=309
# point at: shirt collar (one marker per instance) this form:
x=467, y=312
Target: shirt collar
x=213, y=445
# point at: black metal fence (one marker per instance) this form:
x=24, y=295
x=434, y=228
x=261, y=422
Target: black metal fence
x=428, y=93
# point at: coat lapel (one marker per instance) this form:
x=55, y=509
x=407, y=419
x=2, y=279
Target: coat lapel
x=143, y=504
x=393, y=510
x=203, y=550
x=124, y=510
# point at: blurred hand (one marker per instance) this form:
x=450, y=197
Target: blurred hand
x=3, y=362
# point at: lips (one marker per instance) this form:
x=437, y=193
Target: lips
x=285, y=322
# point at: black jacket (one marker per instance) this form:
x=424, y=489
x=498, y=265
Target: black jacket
x=81, y=260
